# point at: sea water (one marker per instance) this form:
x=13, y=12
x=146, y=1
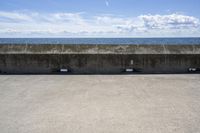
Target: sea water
x=103, y=41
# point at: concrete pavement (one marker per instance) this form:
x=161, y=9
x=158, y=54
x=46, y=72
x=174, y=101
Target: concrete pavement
x=100, y=103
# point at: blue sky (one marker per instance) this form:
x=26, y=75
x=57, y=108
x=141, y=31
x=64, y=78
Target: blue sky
x=99, y=18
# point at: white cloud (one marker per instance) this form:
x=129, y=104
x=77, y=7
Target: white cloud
x=163, y=25
x=172, y=21
x=107, y=3
x=14, y=16
x=34, y=24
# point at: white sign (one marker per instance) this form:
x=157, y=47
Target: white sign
x=63, y=70
x=129, y=70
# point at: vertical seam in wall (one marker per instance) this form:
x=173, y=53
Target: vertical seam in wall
x=193, y=49
x=165, y=54
x=97, y=61
x=26, y=49
x=62, y=49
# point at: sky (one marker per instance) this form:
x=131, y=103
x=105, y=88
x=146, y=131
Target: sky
x=100, y=18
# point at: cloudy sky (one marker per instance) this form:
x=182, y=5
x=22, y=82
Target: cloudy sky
x=100, y=18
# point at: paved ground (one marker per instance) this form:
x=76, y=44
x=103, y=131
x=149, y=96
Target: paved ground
x=100, y=104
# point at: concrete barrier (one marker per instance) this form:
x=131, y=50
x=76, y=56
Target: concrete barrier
x=98, y=59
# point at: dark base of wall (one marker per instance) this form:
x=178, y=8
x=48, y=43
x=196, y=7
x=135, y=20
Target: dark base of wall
x=96, y=63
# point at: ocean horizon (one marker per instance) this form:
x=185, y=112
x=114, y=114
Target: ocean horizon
x=104, y=41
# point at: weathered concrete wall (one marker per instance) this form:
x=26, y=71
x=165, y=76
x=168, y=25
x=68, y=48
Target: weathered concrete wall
x=99, y=49
x=98, y=59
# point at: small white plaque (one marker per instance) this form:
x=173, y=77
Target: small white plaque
x=129, y=70
x=192, y=69
x=131, y=62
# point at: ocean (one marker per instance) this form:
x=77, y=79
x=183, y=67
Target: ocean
x=103, y=41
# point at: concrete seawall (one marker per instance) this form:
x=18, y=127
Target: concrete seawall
x=98, y=59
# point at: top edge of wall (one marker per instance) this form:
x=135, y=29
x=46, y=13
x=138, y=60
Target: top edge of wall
x=97, y=49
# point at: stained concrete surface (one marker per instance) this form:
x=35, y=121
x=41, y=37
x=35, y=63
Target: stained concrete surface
x=97, y=63
x=98, y=49
x=100, y=103
x=98, y=59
